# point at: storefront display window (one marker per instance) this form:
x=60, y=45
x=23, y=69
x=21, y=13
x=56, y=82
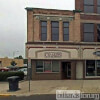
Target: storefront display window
x=90, y=68
x=98, y=67
x=93, y=68
x=47, y=66
x=39, y=66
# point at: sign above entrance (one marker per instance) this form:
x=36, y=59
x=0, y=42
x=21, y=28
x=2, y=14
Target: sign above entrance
x=53, y=54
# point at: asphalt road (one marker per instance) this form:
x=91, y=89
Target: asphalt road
x=34, y=97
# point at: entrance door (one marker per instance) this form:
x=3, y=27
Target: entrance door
x=66, y=70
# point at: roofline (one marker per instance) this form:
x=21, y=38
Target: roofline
x=32, y=8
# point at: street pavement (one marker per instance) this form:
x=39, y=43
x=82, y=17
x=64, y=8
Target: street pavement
x=46, y=89
x=50, y=86
x=36, y=97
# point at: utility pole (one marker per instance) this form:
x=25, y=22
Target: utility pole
x=29, y=71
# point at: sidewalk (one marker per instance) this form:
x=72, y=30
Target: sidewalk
x=50, y=87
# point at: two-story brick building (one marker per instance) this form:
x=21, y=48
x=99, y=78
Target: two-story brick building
x=64, y=44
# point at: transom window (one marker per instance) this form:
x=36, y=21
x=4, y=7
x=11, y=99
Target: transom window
x=47, y=66
x=88, y=32
x=55, y=30
x=43, y=30
x=89, y=6
x=65, y=31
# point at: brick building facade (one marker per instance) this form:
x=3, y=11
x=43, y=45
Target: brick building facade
x=6, y=62
x=64, y=44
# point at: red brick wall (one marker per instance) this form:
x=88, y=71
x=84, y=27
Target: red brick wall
x=52, y=12
x=30, y=26
x=90, y=17
x=79, y=5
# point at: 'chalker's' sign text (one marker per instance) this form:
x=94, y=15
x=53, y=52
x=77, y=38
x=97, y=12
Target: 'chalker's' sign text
x=53, y=54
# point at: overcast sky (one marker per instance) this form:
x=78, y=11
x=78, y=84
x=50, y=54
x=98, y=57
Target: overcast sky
x=13, y=22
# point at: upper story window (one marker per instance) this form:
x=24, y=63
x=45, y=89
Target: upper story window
x=88, y=32
x=89, y=6
x=98, y=32
x=43, y=30
x=98, y=6
x=55, y=31
x=65, y=31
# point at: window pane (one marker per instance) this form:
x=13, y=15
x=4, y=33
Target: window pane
x=98, y=32
x=55, y=66
x=47, y=66
x=98, y=10
x=89, y=9
x=98, y=67
x=39, y=66
x=55, y=24
x=44, y=37
x=44, y=30
x=90, y=2
x=66, y=24
x=44, y=23
x=90, y=68
x=66, y=37
x=66, y=30
x=55, y=30
x=39, y=70
x=55, y=37
x=88, y=27
x=98, y=2
x=88, y=37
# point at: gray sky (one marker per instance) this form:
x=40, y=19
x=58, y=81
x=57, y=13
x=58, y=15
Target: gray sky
x=13, y=22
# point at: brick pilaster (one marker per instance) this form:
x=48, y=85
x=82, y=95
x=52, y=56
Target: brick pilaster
x=60, y=31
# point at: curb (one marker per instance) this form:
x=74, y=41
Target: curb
x=5, y=95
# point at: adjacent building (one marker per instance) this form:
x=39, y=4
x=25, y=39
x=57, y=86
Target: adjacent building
x=63, y=44
x=5, y=62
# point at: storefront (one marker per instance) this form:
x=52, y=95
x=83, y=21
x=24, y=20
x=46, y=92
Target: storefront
x=67, y=62
x=92, y=69
x=64, y=44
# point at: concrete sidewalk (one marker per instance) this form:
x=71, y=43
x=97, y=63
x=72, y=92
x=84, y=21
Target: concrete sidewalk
x=50, y=87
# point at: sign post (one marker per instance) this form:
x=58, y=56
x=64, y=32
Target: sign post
x=29, y=72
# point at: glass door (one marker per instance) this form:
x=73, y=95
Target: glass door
x=68, y=70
